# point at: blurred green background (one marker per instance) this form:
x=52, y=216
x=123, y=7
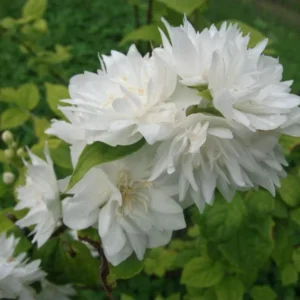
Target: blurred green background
x=96, y=26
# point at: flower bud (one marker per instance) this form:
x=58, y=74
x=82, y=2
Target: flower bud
x=14, y=145
x=7, y=137
x=8, y=177
x=20, y=152
x=9, y=153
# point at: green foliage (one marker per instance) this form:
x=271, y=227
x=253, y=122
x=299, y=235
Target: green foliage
x=98, y=153
x=68, y=261
x=230, y=288
x=262, y=292
x=222, y=220
x=202, y=272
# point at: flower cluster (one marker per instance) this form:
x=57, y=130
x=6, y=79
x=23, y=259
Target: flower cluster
x=210, y=110
x=17, y=275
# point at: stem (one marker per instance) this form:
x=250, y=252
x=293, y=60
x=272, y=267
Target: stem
x=103, y=269
x=136, y=16
x=149, y=12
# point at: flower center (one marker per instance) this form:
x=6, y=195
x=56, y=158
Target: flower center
x=134, y=194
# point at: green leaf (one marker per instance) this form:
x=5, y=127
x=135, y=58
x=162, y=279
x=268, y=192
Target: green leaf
x=255, y=35
x=59, y=151
x=263, y=292
x=184, y=257
x=28, y=96
x=260, y=202
x=289, y=143
x=127, y=269
x=289, y=275
x=9, y=95
x=5, y=222
x=295, y=215
x=283, y=249
x=55, y=93
x=230, y=288
x=13, y=117
x=184, y=7
x=98, y=153
x=290, y=190
x=145, y=33
x=68, y=261
x=280, y=209
x=220, y=221
x=202, y=272
x=40, y=125
x=251, y=246
x=34, y=8
x=296, y=258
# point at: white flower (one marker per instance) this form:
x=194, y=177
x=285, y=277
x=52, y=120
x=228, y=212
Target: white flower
x=119, y=105
x=16, y=274
x=52, y=291
x=41, y=196
x=244, y=84
x=190, y=53
x=208, y=153
x=131, y=212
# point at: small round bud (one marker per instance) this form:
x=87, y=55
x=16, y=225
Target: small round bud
x=8, y=177
x=14, y=145
x=20, y=152
x=9, y=153
x=7, y=137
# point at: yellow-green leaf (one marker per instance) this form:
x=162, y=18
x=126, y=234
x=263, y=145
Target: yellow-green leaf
x=34, y=8
x=145, y=33
x=230, y=288
x=184, y=6
x=13, y=117
x=289, y=275
x=40, y=125
x=263, y=292
x=127, y=269
x=202, y=273
x=290, y=190
x=55, y=93
x=28, y=96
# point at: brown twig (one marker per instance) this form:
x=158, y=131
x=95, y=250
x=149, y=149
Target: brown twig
x=103, y=269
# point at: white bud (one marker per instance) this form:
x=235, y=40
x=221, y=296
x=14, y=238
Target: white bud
x=9, y=153
x=20, y=152
x=8, y=177
x=7, y=137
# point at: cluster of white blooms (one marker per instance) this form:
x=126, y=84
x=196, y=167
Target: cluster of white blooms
x=211, y=111
x=17, y=275
x=41, y=196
